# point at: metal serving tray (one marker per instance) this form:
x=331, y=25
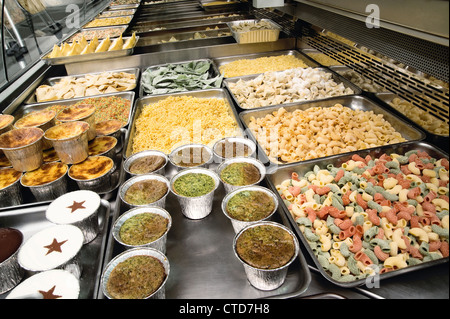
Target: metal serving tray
x=336, y=77
x=181, y=28
x=233, y=5
x=32, y=220
x=90, y=56
x=337, y=160
x=386, y=99
x=226, y=60
x=237, y=35
x=182, y=37
x=117, y=176
x=340, y=69
x=53, y=80
x=141, y=102
x=123, y=28
x=212, y=72
x=202, y=261
x=355, y=102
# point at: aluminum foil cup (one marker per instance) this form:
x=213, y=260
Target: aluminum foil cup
x=47, y=188
x=266, y=279
x=23, y=148
x=254, y=161
x=125, y=186
x=159, y=244
x=136, y=156
x=196, y=207
x=239, y=224
x=240, y=141
x=110, y=146
x=111, y=127
x=36, y=256
x=199, y=150
x=10, y=192
x=10, y=271
x=78, y=208
x=6, y=123
x=72, y=147
x=80, y=112
x=43, y=119
x=160, y=293
x=100, y=182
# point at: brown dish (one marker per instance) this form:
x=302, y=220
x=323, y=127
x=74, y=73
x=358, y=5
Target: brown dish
x=265, y=247
x=91, y=168
x=146, y=164
x=137, y=277
x=145, y=192
x=75, y=112
x=250, y=205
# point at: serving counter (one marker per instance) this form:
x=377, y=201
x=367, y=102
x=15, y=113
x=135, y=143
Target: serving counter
x=200, y=252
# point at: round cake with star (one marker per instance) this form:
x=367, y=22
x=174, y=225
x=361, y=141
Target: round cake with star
x=50, y=248
x=50, y=284
x=78, y=208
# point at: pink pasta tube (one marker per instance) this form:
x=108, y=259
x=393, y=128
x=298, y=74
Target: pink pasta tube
x=391, y=216
x=311, y=214
x=373, y=216
x=444, y=249
x=294, y=176
x=429, y=207
x=404, y=215
x=357, y=244
x=434, y=245
x=444, y=162
x=361, y=202
x=358, y=158
x=294, y=190
x=414, y=221
x=346, y=198
x=339, y=175
x=380, y=234
x=347, y=232
x=362, y=257
x=430, y=196
x=414, y=192
x=381, y=255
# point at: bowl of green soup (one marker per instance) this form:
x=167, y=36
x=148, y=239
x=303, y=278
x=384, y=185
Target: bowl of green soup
x=241, y=171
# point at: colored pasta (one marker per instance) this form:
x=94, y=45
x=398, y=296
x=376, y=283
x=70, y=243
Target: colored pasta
x=382, y=214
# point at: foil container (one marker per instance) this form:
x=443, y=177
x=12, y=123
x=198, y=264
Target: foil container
x=11, y=195
x=228, y=187
x=132, y=158
x=239, y=224
x=74, y=149
x=125, y=186
x=8, y=120
x=197, y=148
x=266, y=279
x=219, y=159
x=46, y=144
x=101, y=184
x=159, y=244
x=27, y=157
x=51, y=190
x=90, y=119
x=160, y=293
x=196, y=207
x=112, y=153
x=10, y=273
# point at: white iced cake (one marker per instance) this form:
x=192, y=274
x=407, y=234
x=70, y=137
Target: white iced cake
x=51, y=284
x=50, y=248
x=73, y=207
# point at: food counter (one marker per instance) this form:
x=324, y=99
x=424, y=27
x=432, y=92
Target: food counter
x=185, y=82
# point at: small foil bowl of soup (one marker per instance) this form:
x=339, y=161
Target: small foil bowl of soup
x=230, y=147
x=10, y=192
x=194, y=189
x=23, y=148
x=69, y=141
x=249, y=204
x=10, y=271
x=103, y=145
x=6, y=123
x=138, y=273
x=240, y=171
x=146, y=162
x=143, y=227
x=47, y=182
x=43, y=119
x=190, y=156
x=145, y=190
x=80, y=112
x=266, y=249
x=94, y=174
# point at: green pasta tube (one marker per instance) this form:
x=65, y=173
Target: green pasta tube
x=304, y=221
x=344, y=250
x=370, y=233
x=335, y=271
x=352, y=265
x=371, y=255
x=384, y=244
x=424, y=248
x=310, y=235
x=347, y=278
x=323, y=261
x=374, y=205
x=411, y=261
x=442, y=232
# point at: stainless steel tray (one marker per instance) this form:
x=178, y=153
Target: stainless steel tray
x=354, y=102
x=141, y=102
x=212, y=72
x=237, y=35
x=202, y=261
x=340, y=69
x=81, y=31
x=116, y=178
x=336, y=77
x=386, y=99
x=90, y=56
x=301, y=168
x=32, y=220
x=182, y=37
x=224, y=61
x=53, y=80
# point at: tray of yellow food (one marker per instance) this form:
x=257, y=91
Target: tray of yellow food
x=208, y=5
x=95, y=49
x=106, y=22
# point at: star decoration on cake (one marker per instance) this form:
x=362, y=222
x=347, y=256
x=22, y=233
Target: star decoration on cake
x=76, y=205
x=49, y=294
x=54, y=246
